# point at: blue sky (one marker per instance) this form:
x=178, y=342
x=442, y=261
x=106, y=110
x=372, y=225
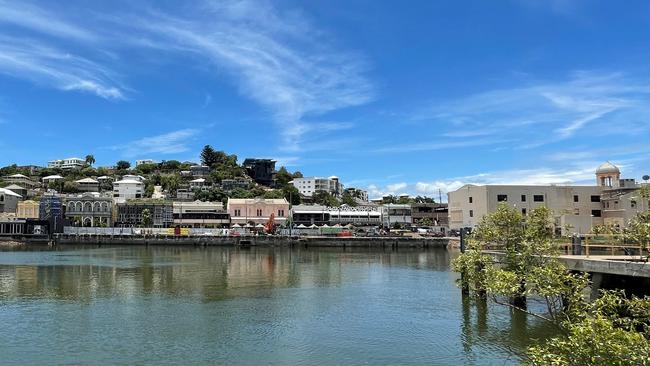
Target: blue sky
x=394, y=97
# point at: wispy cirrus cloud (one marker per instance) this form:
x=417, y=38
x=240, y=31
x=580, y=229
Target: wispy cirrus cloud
x=542, y=112
x=278, y=60
x=29, y=59
x=168, y=143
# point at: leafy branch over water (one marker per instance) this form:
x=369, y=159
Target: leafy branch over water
x=613, y=330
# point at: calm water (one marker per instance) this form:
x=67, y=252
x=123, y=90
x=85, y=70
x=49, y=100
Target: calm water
x=170, y=305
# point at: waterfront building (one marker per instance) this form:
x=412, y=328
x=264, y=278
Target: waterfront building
x=237, y=182
x=20, y=180
x=396, y=214
x=575, y=206
x=27, y=210
x=307, y=186
x=67, y=164
x=50, y=209
x=199, y=214
x=9, y=200
x=89, y=210
x=87, y=185
x=436, y=213
x=576, y=209
x=144, y=161
x=343, y=215
x=127, y=189
x=261, y=170
x=129, y=213
x=257, y=210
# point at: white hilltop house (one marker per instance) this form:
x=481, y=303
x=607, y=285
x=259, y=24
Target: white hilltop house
x=127, y=189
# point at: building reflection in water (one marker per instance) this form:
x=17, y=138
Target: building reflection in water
x=210, y=274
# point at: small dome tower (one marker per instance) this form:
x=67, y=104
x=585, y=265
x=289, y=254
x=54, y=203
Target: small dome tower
x=608, y=175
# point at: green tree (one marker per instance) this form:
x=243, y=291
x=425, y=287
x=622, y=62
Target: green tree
x=90, y=160
x=283, y=177
x=292, y=194
x=605, y=332
x=146, y=169
x=170, y=182
x=348, y=199
x=147, y=219
x=123, y=165
x=170, y=165
x=273, y=193
x=325, y=198
x=208, y=156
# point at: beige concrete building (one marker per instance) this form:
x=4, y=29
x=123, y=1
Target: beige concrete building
x=578, y=207
x=612, y=201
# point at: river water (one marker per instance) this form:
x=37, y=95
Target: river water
x=262, y=306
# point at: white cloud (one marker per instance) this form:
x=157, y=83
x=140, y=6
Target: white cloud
x=538, y=113
x=29, y=59
x=169, y=143
x=277, y=59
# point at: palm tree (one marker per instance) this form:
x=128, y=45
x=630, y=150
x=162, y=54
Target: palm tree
x=90, y=160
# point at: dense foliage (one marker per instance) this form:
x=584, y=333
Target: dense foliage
x=612, y=330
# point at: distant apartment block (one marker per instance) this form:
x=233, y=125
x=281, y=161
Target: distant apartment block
x=67, y=164
x=127, y=189
x=144, y=161
x=307, y=186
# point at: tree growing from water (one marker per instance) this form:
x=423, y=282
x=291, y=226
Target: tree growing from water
x=606, y=332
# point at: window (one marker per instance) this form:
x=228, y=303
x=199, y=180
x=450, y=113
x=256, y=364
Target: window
x=523, y=211
x=237, y=212
x=633, y=204
x=470, y=200
x=502, y=197
x=280, y=213
x=259, y=212
x=471, y=213
x=538, y=198
x=595, y=198
x=575, y=198
x=523, y=198
x=595, y=213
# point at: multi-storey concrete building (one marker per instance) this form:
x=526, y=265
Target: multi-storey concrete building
x=127, y=189
x=307, y=186
x=612, y=201
x=67, y=164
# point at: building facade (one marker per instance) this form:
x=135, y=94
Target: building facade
x=87, y=185
x=21, y=180
x=257, y=210
x=199, y=214
x=130, y=214
x=307, y=186
x=437, y=214
x=127, y=189
x=27, y=210
x=396, y=214
x=89, y=210
x=577, y=207
x=51, y=209
x=67, y=164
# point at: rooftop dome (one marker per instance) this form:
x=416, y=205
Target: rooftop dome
x=607, y=168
